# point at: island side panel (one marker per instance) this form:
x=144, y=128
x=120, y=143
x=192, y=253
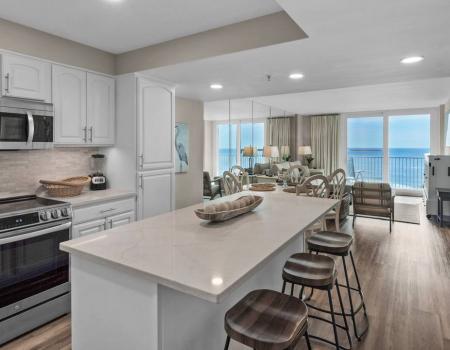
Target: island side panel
x=112, y=308
x=187, y=322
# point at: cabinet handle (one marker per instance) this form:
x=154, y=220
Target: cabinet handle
x=85, y=134
x=7, y=83
x=141, y=182
x=107, y=210
x=91, y=129
x=141, y=160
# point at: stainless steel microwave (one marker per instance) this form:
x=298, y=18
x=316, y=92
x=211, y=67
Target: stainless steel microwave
x=25, y=124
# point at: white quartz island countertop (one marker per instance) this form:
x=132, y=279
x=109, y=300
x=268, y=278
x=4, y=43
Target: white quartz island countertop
x=205, y=260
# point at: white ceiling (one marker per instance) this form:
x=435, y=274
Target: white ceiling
x=122, y=26
x=392, y=96
x=351, y=43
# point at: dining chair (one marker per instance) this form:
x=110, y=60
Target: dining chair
x=314, y=186
x=297, y=174
x=231, y=183
x=336, y=189
x=241, y=174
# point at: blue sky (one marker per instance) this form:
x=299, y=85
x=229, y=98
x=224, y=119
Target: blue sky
x=404, y=132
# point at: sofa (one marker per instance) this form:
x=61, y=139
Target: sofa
x=276, y=168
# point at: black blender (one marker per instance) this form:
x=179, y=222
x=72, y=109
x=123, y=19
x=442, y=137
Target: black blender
x=98, y=180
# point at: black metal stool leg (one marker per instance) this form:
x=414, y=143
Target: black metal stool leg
x=359, y=284
x=336, y=338
x=349, y=292
x=341, y=304
x=284, y=287
x=227, y=343
x=308, y=343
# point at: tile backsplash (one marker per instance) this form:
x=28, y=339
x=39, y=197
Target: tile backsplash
x=20, y=171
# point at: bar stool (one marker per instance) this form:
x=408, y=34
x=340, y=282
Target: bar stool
x=267, y=320
x=338, y=244
x=318, y=272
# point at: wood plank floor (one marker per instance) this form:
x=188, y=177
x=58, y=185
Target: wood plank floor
x=405, y=277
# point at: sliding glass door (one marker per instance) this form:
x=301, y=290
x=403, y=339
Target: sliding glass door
x=389, y=147
x=226, y=146
x=365, y=151
x=409, y=141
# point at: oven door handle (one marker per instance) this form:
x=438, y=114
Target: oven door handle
x=23, y=236
x=30, y=127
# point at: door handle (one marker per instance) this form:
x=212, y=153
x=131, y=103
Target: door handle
x=20, y=237
x=30, y=127
x=85, y=134
x=7, y=83
x=107, y=210
x=91, y=129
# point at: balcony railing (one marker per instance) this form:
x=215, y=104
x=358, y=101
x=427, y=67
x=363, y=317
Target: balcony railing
x=404, y=172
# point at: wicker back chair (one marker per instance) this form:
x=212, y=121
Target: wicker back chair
x=314, y=186
x=231, y=183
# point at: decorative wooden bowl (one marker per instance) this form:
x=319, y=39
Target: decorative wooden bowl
x=290, y=190
x=262, y=187
x=72, y=186
x=228, y=214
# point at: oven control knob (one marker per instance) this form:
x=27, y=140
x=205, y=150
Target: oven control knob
x=64, y=212
x=45, y=215
x=56, y=214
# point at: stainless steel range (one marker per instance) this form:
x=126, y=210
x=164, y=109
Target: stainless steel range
x=34, y=273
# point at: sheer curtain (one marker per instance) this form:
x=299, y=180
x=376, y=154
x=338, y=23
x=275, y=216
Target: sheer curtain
x=282, y=131
x=325, y=141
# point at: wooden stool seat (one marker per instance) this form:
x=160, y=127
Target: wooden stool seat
x=330, y=242
x=310, y=270
x=267, y=320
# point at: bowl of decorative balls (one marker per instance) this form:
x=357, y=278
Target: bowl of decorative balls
x=222, y=211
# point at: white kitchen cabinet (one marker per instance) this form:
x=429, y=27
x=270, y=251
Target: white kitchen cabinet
x=156, y=192
x=69, y=99
x=120, y=219
x=100, y=109
x=84, y=105
x=88, y=228
x=25, y=77
x=155, y=125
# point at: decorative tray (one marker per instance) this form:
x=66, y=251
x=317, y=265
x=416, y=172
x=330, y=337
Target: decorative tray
x=226, y=210
x=262, y=187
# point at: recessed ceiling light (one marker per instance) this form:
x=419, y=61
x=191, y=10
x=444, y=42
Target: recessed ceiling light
x=412, y=59
x=216, y=86
x=296, y=76
x=113, y=0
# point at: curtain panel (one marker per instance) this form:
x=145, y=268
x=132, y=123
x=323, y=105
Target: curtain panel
x=325, y=141
x=282, y=131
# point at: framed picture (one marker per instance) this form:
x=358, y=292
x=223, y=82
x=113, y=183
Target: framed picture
x=182, y=148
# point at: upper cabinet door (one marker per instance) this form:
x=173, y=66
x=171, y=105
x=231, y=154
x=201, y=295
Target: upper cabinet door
x=25, y=77
x=69, y=100
x=155, y=125
x=100, y=109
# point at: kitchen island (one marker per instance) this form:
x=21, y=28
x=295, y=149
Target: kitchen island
x=166, y=282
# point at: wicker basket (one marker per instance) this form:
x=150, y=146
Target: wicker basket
x=72, y=186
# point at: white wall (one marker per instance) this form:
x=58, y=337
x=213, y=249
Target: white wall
x=189, y=186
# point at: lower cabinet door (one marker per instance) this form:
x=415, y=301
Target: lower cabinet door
x=88, y=228
x=155, y=195
x=120, y=219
